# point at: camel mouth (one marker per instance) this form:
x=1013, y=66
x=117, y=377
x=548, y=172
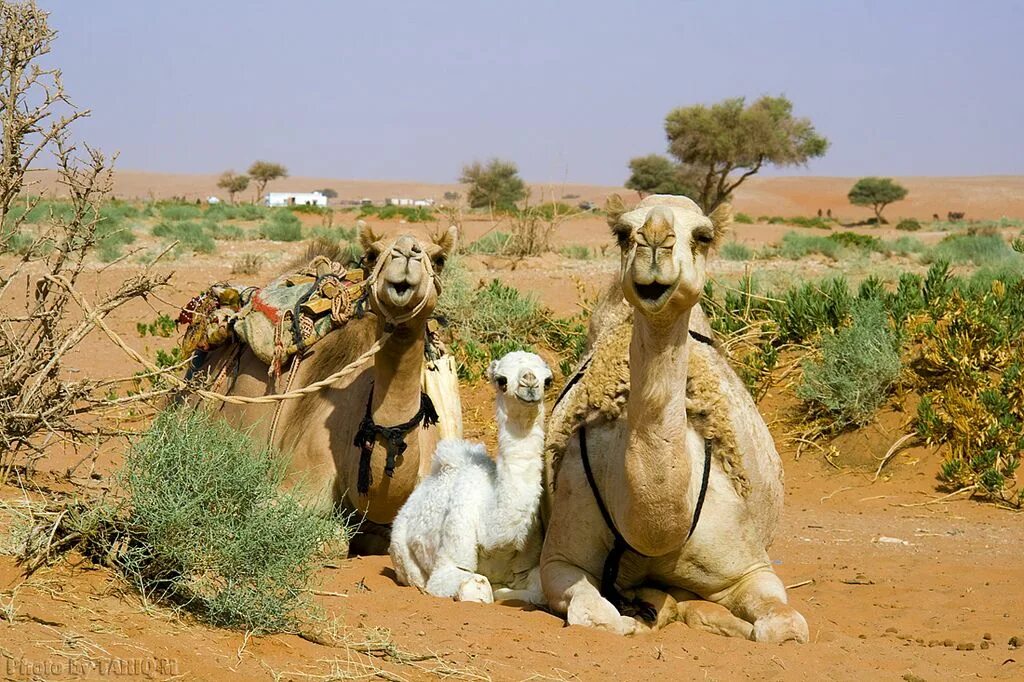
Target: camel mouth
x=399, y=292
x=532, y=397
x=652, y=293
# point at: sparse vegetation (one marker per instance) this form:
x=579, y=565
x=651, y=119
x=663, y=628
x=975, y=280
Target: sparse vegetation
x=233, y=183
x=743, y=219
x=263, y=172
x=908, y=225
x=495, y=185
x=283, y=226
x=736, y=251
x=859, y=364
x=248, y=264
x=191, y=236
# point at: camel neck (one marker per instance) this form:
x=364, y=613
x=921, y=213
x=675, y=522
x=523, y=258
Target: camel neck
x=518, y=468
x=654, y=509
x=396, y=375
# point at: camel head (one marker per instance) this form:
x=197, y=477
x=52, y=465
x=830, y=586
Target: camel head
x=520, y=379
x=404, y=273
x=665, y=242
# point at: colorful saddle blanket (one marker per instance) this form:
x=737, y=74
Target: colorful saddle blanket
x=283, y=318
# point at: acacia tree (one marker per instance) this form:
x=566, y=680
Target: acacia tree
x=724, y=144
x=876, y=193
x=657, y=174
x=233, y=183
x=496, y=185
x=263, y=172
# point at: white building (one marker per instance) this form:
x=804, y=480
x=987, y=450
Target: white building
x=295, y=199
x=401, y=201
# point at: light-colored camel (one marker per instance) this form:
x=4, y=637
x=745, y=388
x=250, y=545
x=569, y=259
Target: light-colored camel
x=471, y=529
x=648, y=463
x=317, y=432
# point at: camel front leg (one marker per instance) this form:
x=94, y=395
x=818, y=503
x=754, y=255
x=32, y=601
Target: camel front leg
x=448, y=580
x=573, y=592
x=533, y=593
x=760, y=598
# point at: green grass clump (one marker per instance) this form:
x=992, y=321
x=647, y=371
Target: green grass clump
x=858, y=366
x=908, y=225
x=190, y=235
x=492, y=243
x=743, y=219
x=795, y=246
x=179, y=211
x=410, y=214
x=283, y=226
x=488, y=321
x=577, y=252
x=979, y=249
x=815, y=222
x=244, y=212
x=903, y=246
x=337, y=234
x=207, y=527
x=225, y=231
x=736, y=251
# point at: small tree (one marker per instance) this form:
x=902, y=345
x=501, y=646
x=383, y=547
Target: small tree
x=656, y=174
x=496, y=185
x=729, y=138
x=232, y=183
x=876, y=193
x=328, y=192
x=263, y=172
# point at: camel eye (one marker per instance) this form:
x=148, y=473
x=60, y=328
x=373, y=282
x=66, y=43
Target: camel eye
x=547, y=383
x=704, y=236
x=501, y=381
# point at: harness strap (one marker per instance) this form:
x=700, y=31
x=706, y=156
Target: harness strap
x=610, y=570
x=394, y=439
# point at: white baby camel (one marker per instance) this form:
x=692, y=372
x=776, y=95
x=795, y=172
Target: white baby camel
x=473, y=522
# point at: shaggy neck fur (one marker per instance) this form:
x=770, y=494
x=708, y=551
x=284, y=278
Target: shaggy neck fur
x=653, y=509
x=518, y=469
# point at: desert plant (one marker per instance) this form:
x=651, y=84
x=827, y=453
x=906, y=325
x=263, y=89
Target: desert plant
x=263, y=172
x=743, y=219
x=190, y=235
x=283, y=226
x=162, y=326
x=233, y=183
x=859, y=363
x=657, y=174
x=908, y=225
x=40, y=401
x=876, y=193
x=980, y=249
x=725, y=143
x=179, y=211
x=492, y=243
x=200, y=522
x=248, y=264
x=496, y=185
x=736, y=251
x=577, y=252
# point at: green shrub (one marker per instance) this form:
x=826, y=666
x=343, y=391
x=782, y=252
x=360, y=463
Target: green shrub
x=862, y=242
x=577, y=252
x=980, y=249
x=903, y=246
x=179, y=211
x=492, y=243
x=858, y=366
x=205, y=525
x=815, y=222
x=337, y=234
x=736, y=251
x=795, y=246
x=309, y=209
x=47, y=211
x=908, y=225
x=411, y=214
x=225, y=231
x=743, y=219
x=246, y=212
x=192, y=236
x=283, y=226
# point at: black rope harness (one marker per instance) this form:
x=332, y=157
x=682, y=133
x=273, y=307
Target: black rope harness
x=610, y=570
x=394, y=439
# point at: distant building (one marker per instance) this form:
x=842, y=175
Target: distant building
x=295, y=199
x=401, y=201
x=213, y=200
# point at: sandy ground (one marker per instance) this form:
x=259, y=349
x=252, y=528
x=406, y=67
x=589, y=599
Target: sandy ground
x=902, y=586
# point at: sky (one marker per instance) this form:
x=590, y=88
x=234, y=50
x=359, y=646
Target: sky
x=568, y=90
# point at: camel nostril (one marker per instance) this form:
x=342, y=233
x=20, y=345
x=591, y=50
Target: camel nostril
x=528, y=379
x=416, y=248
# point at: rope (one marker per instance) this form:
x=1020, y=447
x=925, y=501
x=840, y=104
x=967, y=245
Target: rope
x=211, y=395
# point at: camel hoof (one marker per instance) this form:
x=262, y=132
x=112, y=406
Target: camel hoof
x=600, y=614
x=781, y=625
x=477, y=589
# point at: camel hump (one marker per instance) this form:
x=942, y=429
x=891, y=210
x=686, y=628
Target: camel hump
x=454, y=453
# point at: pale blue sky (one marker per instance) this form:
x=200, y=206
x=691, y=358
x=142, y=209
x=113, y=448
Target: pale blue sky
x=568, y=90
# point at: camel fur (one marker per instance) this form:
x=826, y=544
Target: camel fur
x=655, y=399
x=470, y=530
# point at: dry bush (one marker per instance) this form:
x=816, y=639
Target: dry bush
x=39, y=405
x=532, y=226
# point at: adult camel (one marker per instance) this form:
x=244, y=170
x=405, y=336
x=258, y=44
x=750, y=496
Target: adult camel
x=317, y=433
x=656, y=511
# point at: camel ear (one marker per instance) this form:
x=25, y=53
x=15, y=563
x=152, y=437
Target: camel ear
x=370, y=241
x=442, y=246
x=491, y=369
x=614, y=208
x=721, y=219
